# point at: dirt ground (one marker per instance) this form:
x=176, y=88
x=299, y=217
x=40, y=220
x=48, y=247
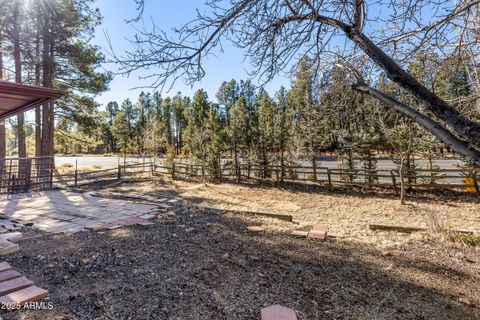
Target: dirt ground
x=200, y=262
x=345, y=209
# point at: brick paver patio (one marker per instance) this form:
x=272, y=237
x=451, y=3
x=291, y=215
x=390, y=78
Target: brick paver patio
x=62, y=211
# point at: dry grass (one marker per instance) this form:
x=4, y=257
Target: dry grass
x=350, y=211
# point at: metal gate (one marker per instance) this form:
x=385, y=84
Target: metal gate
x=25, y=174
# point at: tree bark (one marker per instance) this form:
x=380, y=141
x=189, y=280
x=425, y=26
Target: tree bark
x=3, y=149
x=38, y=110
x=47, y=108
x=432, y=126
x=22, y=148
x=402, y=178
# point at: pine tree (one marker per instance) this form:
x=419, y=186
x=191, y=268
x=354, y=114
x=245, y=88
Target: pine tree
x=215, y=142
x=307, y=116
x=238, y=129
x=266, y=130
x=179, y=106
x=282, y=130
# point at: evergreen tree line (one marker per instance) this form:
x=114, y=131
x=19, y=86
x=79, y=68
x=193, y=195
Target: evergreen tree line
x=292, y=126
x=47, y=43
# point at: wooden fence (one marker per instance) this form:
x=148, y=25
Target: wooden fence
x=458, y=179
x=79, y=177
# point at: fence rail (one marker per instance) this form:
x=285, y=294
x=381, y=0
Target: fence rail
x=26, y=174
x=77, y=177
x=386, y=178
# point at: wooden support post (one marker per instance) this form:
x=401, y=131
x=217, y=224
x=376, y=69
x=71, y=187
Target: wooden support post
x=173, y=170
x=394, y=182
x=329, y=178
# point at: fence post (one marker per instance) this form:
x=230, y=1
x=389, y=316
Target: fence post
x=394, y=182
x=239, y=174
x=475, y=183
x=76, y=173
x=329, y=178
x=28, y=174
x=119, y=173
x=173, y=170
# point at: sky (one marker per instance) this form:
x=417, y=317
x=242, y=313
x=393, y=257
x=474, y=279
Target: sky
x=166, y=14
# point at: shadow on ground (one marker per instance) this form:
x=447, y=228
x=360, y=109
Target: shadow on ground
x=203, y=264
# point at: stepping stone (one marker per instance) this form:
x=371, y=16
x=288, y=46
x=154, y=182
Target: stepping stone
x=4, y=266
x=9, y=274
x=7, y=247
x=278, y=312
x=23, y=296
x=299, y=233
x=256, y=229
x=13, y=285
x=10, y=235
x=321, y=235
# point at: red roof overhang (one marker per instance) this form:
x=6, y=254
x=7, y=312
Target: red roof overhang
x=16, y=98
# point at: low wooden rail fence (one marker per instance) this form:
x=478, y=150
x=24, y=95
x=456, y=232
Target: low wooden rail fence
x=419, y=178
x=79, y=177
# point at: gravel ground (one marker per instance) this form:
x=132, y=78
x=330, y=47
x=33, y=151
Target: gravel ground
x=218, y=270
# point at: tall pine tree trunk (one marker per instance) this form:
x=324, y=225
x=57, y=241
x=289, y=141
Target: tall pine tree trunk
x=3, y=149
x=38, y=110
x=22, y=149
x=47, y=118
